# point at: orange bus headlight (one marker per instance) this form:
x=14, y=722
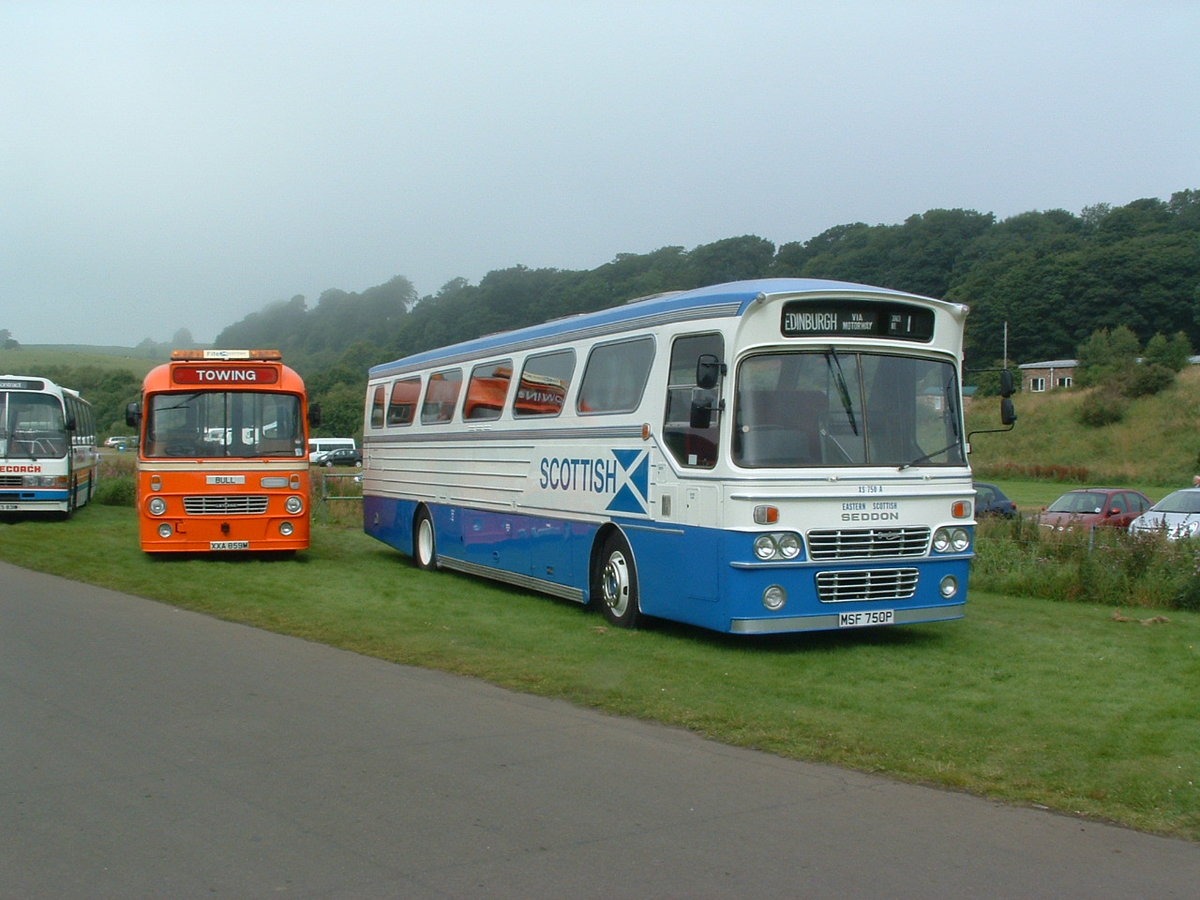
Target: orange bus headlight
x=157, y=506
x=286, y=528
x=165, y=530
x=294, y=505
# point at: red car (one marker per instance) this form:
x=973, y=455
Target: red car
x=1094, y=507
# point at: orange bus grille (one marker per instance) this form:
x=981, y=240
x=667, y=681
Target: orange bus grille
x=235, y=505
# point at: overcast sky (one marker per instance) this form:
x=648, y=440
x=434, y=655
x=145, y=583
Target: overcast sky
x=181, y=164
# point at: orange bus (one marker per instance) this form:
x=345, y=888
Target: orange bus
x=223, y=453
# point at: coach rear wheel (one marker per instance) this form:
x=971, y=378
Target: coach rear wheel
x=614, y=583
x=424, y=542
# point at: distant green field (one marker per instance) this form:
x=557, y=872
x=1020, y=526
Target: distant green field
x=1155, y=448
x=31, y=360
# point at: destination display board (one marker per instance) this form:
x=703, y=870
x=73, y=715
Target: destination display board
x=21, y=384
x=808, y=318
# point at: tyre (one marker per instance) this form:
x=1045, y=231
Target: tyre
x=424, y=542
x=615, y=584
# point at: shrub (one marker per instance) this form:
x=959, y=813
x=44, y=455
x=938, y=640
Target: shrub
x=118, y=491
x=1144, y=380
x=1101, y=408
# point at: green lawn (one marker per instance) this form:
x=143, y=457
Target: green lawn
x=1024, y=700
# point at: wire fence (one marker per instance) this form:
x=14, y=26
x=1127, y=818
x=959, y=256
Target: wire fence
x=338, y=497
x=1096, y=565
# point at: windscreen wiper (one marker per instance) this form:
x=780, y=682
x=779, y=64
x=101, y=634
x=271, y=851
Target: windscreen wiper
x=952, y=407
x=928, y=456
x=839, y=380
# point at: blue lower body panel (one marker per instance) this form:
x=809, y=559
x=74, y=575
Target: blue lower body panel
x=698, y=576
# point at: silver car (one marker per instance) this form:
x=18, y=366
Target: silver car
x=1177, y=516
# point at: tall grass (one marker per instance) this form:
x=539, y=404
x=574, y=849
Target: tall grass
x=1102, y=566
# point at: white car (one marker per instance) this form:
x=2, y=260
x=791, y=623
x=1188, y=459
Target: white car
x=1177, y=516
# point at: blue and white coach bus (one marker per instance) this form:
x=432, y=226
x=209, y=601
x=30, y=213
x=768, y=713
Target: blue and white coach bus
x=48, y=456
x=761, y=456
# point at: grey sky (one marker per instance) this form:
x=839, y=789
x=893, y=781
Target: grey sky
x=182, y=164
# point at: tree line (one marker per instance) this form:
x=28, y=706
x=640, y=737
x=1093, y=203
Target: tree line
x=1048, y=280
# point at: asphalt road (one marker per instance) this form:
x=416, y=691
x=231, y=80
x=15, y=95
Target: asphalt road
x=151, y=752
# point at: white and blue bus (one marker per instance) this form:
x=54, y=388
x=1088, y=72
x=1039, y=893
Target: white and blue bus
x=762, y=456
x=48, y=455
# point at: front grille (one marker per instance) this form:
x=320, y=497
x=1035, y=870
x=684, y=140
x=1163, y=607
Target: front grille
x=869, y=584
x=868, y=543
x=11, y=480
x=235, y=505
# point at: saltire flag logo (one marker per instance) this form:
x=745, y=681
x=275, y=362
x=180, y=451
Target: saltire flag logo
x=633, y=482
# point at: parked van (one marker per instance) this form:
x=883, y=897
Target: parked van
x=319, y=445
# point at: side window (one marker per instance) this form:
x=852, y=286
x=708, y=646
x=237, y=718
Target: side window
x=614, y=378
x=692, y=446
x=441, y=395
x=487, y=390
x=402, y=405
x=542, y=390
x=377, y=407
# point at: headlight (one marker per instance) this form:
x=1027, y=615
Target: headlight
x=764, y=546
x=286, y=529
x=951, y=540
x=157, y=506
x=789, y=545
x=293, y=505
x=779, y=545
x=47, y=481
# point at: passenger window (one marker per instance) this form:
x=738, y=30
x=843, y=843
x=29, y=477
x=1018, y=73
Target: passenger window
x=441, y=395
x=696, y=447
x=615, y=376
x=545, y=380
x=402, y=406
x=377, y=408
x=487, y=389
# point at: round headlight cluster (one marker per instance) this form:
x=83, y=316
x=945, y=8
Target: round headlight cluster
x=777, y=545
x=293, y=505
x=157, y=506
x=951, y=540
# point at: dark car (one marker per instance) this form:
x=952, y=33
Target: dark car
x=1094, y=507
x=991, y=501
x=343, y=456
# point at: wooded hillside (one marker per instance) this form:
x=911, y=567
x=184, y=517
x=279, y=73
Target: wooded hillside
x=1053, y=276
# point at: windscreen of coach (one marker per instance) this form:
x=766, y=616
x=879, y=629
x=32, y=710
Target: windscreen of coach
x=840, y=408
x=218, y=425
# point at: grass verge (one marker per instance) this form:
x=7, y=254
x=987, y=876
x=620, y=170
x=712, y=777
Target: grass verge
x=1028, y=701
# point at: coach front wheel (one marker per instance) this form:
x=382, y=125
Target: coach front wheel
x=614, y=583
x=424, y=542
